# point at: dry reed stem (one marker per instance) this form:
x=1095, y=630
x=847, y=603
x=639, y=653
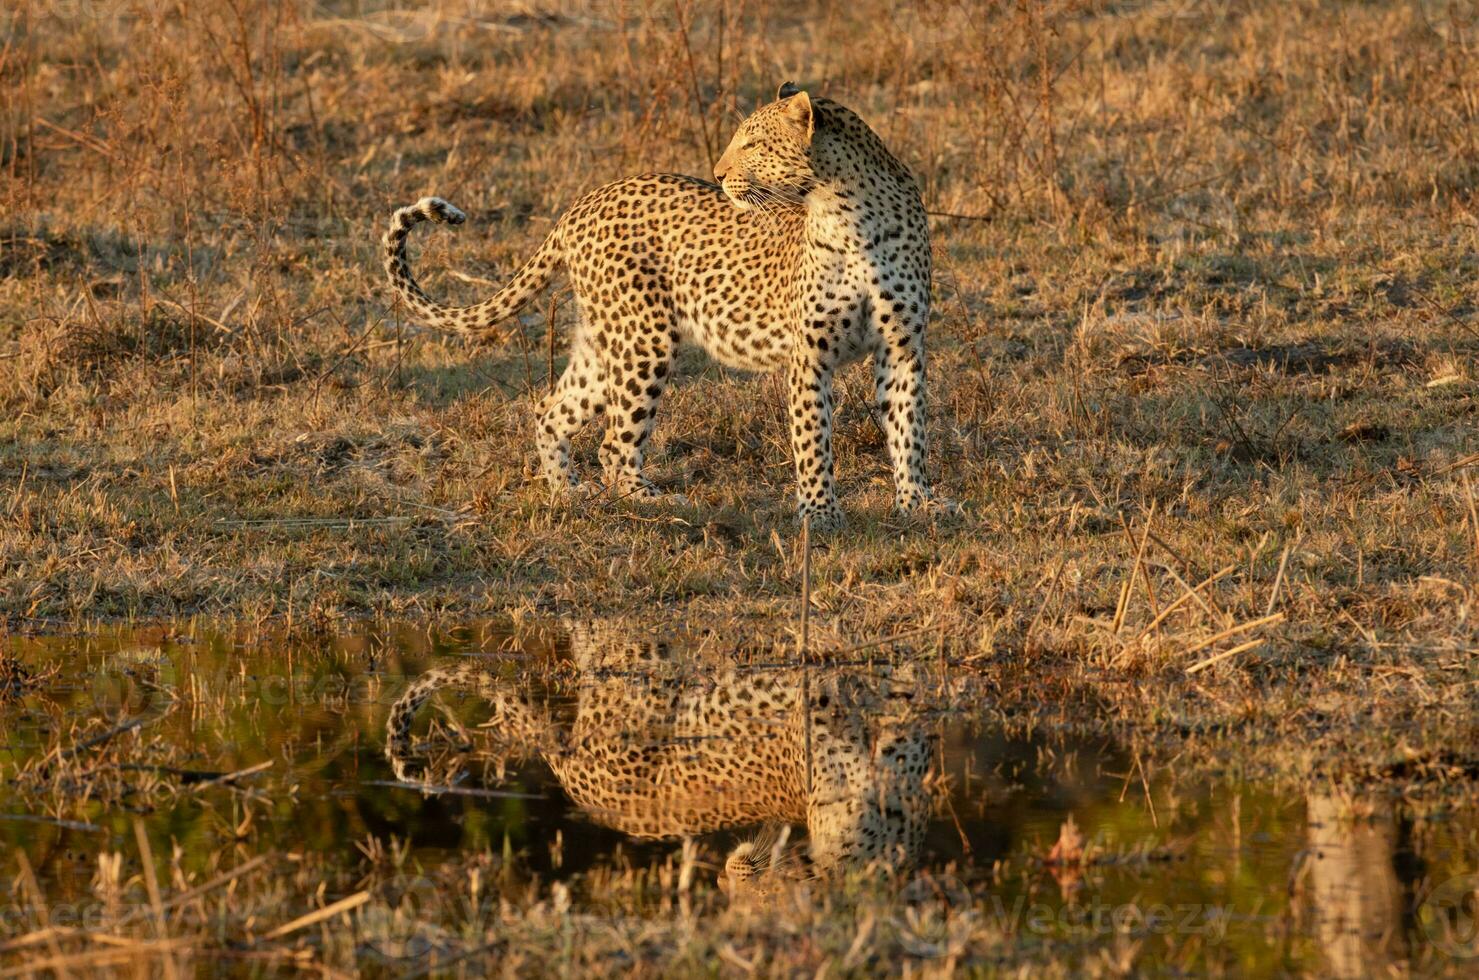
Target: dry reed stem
x=1217, y=658
x=1233, y=631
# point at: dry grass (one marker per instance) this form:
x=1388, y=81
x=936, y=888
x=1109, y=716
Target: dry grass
x=1205, y=339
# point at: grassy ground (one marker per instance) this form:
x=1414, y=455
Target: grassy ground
x=1202, y=360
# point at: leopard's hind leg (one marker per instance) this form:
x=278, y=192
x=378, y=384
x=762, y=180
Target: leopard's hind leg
x=638, y=362
x=578, y=396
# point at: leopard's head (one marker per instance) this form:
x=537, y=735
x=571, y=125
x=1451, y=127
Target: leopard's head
x=768, y=163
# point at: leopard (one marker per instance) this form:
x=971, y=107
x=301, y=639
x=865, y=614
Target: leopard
x=809, y=250
x=660, y=748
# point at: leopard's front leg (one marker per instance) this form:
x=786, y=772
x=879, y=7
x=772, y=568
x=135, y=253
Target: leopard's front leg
x=898, y=375
x=899, y=379
x=810, y=402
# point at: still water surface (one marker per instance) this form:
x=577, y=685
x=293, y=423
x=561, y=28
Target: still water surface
x=574, y=753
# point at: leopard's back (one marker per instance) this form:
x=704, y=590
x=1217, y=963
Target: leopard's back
x=811, y=252
x=659, y=751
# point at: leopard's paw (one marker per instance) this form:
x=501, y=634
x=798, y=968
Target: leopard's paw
x=943, y=506
x=826, y=518
x=922, y=503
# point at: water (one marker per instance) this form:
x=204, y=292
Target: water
x=218, y=745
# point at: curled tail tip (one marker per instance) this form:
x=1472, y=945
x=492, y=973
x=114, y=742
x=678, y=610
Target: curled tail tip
x=436, y=209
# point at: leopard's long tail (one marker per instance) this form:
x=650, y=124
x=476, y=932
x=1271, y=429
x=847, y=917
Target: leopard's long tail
x=517, y=726
x=481, y=319
x=402, y=716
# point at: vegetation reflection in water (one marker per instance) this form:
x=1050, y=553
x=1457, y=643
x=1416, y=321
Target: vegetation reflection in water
x=444, y=783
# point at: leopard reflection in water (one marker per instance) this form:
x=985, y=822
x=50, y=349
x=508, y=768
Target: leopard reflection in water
x=661, y=749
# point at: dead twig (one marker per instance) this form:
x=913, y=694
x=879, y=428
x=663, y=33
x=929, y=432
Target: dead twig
x=1216, y=658
x=1233, y=631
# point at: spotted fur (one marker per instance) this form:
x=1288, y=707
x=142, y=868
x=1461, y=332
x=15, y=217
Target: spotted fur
x=812, y=251
x=659, y=752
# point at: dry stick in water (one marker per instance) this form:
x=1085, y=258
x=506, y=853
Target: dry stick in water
x=1145, y=786
x=31, y=886
x=127, y=952
x=151, y=884
x=327, y=912
x=685, y=870
x=221, y=879
x=139, y=721
x=233, y=776
x=440, y=964
x=128, y=948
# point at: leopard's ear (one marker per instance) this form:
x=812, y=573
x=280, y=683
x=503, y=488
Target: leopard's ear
x=787, y=90
x=797, y=108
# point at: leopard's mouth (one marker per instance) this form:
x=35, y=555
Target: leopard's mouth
x=746, y=195
x=739, y=197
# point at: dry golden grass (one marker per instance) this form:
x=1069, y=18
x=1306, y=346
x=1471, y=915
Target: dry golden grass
x=1205, y=338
